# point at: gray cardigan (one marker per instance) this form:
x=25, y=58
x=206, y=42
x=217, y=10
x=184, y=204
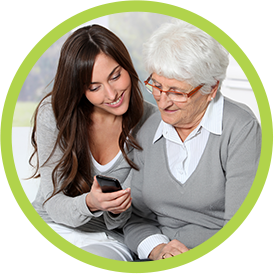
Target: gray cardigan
x=194, y=211
x=73, y=212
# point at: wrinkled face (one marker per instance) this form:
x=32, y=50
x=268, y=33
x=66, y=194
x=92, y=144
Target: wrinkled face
x=110, y=87
x=180, y=115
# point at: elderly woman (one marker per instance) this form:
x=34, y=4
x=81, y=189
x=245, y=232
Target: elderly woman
x=200, y=153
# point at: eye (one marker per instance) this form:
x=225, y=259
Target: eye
x=116, y=76
x=174, y=90
x=178, y=91
x=93, y=88
x=157, y=85
x=179, y=94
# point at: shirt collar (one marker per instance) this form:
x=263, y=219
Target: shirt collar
x=159, y=132
x=213, y=118
x=168, y=131
x=212, y=121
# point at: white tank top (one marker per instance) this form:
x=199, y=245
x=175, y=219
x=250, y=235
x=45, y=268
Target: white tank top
x=104, y=168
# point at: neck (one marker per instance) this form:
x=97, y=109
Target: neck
x=184, y=130
x=105, y=118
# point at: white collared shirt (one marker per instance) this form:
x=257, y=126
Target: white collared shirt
x=183, y=157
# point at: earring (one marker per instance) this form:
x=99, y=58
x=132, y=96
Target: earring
x=212, y=98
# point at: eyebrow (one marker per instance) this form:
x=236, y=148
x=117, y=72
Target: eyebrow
x=92, y=83
x=175, y=88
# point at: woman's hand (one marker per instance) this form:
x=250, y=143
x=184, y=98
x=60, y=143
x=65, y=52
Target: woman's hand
x=164, y=251
x=115, y=202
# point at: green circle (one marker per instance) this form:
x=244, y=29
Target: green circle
x=248, y=236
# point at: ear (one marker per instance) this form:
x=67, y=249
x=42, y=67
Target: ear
x=214, y=91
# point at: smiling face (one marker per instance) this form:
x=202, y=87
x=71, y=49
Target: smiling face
x=186, y=115
x=110, y=87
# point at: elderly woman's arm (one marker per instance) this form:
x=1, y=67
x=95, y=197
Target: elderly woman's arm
x=142, y=233
x=143, y=225
x=241, y=166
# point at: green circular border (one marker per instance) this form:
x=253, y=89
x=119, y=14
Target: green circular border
x=249, y=43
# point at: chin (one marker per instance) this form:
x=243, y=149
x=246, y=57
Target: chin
x=166, y=116
x=121, y=110
x=167, y=120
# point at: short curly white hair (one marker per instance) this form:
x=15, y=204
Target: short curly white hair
x=181, y=51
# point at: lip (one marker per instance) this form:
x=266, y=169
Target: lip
x=170, y=110
x=119, y=103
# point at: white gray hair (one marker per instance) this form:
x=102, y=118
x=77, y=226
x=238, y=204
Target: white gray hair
x=181, y=51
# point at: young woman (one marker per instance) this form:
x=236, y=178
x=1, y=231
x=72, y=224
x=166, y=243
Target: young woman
x=86, y=126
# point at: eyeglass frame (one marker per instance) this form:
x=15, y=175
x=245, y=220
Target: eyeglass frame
x=186, y=95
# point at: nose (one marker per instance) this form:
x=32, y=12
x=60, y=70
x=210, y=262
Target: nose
x=164, y=101
x=110, y=92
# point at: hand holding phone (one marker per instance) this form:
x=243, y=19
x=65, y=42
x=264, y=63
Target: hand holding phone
x=115, y=202
x=108, y=184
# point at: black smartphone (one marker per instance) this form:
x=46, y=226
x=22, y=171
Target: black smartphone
x=108, y=184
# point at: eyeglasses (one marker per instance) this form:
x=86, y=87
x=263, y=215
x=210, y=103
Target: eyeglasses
x=176, y=96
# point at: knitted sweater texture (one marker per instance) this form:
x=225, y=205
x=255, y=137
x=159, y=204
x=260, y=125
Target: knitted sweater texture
x=194, y=211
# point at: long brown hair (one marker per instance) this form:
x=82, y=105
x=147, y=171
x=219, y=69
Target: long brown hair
x=72, y=109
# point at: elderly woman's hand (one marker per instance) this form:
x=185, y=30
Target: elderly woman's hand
x=164, y=251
